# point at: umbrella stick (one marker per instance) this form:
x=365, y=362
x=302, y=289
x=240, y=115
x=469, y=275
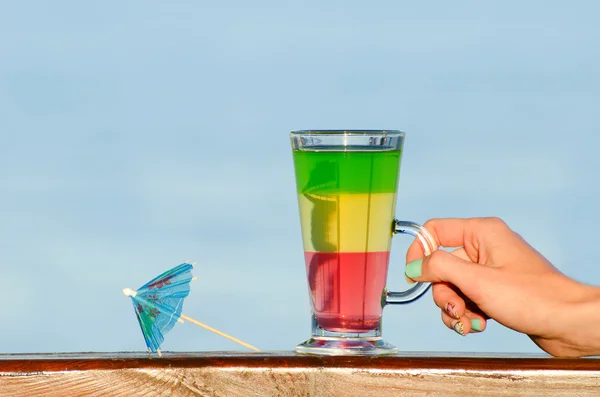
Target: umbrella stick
x=216, y=331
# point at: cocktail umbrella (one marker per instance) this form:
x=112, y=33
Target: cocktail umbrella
x=159, y=302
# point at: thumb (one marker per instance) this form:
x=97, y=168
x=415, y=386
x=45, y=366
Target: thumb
x=442, y=266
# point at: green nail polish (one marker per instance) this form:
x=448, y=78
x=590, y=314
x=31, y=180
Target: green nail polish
x=413, y=269
x=476, y=324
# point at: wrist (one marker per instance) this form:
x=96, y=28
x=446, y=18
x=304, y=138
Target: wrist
x=581, y=322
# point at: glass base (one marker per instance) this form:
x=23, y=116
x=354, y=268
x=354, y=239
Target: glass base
x=332, y=346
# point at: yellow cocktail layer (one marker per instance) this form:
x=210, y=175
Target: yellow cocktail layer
x=347, y=222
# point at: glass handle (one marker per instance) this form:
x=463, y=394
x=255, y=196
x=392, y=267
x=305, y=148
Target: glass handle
x=428, y=243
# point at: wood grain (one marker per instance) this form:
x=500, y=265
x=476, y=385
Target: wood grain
x=286, y=374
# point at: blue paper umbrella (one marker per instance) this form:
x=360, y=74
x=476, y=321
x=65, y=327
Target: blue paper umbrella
x=159, y=302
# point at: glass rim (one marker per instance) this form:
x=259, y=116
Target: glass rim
x=349, y=132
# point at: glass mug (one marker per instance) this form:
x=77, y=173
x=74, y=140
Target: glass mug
x=346, y=183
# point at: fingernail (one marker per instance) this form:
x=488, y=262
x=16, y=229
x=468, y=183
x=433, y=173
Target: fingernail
x=451, y=311
x=413, y=269
x=458, y=327
x=476, y=324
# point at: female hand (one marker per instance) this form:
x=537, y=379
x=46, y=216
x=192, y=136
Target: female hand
x=493, y=273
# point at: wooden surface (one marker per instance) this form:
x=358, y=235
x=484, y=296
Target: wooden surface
x=287, y=374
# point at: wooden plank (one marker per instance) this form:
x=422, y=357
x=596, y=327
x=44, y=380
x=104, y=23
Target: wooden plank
x=286, y=374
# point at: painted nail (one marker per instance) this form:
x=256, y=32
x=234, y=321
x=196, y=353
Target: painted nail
x=476, y=324
x=451, y=310
x=458, y=327
x=413, y=269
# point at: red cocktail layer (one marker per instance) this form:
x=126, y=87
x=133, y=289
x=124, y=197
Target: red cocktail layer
x=346, y=289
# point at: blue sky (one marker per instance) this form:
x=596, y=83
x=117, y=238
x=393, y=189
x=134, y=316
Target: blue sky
x=136, y=135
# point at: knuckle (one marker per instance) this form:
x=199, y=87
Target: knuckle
x=435, y=260
x=429, y=224
x=496, y=222
x=492, y=224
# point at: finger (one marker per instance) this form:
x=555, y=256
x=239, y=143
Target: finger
x=445, y=295
x=460, y=252
x=448, y=232
x=458, y=232
x=478, y=321
x=442, y=266
x=447, y=299
x=461, y=326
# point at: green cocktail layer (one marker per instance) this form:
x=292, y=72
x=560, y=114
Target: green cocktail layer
x=346, y=172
